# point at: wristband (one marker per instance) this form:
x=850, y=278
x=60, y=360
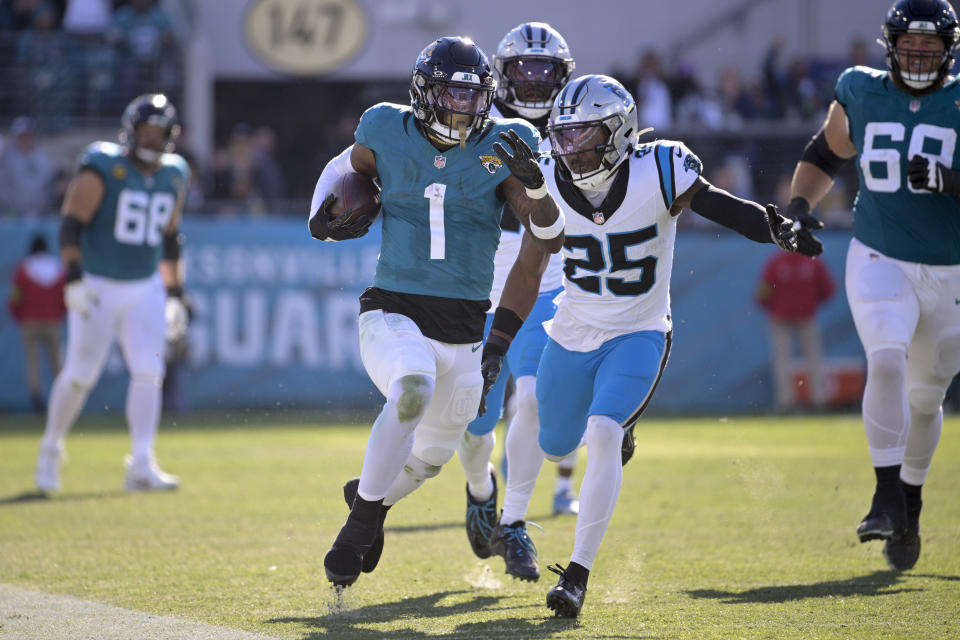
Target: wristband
x=551, y=232
x=495, y=345
x=73, y=271
x=176, y=291
x=538, y=193
x=506, y=322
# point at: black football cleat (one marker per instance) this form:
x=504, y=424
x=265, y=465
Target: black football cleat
x=888, y=514
x=875, y=526
x=627, y=446
x=372, y=557
x=512, y=543
x=902, y=550
x=344, y=561
x=481, y=519
x=565, y=599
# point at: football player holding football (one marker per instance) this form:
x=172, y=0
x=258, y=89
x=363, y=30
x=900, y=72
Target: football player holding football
x=532, y=64
x=120, y=244
x=445, y=169
x=903, y=263
x=610, y=337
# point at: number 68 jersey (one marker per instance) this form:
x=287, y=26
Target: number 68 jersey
x=618, y=256
x=124, y=240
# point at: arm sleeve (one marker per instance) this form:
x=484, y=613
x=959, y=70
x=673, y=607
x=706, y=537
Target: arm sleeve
x=745, y=217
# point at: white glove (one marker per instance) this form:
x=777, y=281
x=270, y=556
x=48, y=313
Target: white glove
x=177, y=318
x=79, y=297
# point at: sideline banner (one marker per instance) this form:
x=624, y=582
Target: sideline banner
x=275, y=324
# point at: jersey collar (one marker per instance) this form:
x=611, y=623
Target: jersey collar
x=579, y=203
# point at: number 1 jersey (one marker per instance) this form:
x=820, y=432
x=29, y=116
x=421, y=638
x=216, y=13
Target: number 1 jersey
x=618, y=257
x=441, y=211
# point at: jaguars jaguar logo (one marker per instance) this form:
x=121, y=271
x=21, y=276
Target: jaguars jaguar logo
x=119, y=172
x=491, y=163
x=692, y=163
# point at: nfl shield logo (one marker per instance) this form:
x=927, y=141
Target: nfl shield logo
x=914, y=106
x=439, y=162
x=598, y=217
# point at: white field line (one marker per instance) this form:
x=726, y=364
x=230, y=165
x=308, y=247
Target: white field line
x=35, y=615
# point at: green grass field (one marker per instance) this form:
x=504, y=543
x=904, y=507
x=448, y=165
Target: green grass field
x=739, y=528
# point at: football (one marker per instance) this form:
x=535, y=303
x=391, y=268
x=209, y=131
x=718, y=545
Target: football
x=357, y=194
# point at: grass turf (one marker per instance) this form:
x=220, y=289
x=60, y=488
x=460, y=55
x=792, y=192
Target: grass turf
x=739, y=528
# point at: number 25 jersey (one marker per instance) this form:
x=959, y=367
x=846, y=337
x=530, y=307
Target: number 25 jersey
x=618, y=257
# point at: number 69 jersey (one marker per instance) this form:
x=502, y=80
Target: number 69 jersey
x=618, y=257
x=124, y=240
x=889, y=127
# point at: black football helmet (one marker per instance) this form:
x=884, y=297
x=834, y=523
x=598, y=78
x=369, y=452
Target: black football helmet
x=451, y=90
x=927, y=17
x=150, y=108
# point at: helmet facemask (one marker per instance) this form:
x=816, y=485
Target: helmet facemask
x=586, y=150
x=149, y=110
x=918, y=68
x=451, y=111
x=531, y=83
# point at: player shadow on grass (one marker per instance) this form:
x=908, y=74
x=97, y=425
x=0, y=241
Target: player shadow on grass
x=40, y=496
x=347, y=622
x=456, y=524
x=874, y=584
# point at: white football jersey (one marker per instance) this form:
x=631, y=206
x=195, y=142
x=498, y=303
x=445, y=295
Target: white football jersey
x=618, y=257
x=509, y=249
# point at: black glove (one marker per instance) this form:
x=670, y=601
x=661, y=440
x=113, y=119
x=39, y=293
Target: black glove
x=341, y=227
x=799, y=211
x=781, y=229
x=523, y=163
x=938, y=179
x=491, y=361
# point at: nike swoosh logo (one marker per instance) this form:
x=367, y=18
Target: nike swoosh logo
x=474, y=349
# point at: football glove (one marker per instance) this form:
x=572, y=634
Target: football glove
x=803, y=222
x=341, y=227
x=491, y=361
x=177, y=316
x=781, y=229
x=937, y=178
x=522, y=163
x=79, y=297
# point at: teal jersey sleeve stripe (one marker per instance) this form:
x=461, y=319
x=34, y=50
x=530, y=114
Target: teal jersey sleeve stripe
x=665, y=169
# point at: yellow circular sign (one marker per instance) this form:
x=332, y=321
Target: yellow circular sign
x=306, y=37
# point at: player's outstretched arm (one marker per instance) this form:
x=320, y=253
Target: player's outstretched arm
x=822, y=158
x=354, y=159
x=749, y=219
x=84, y=195
x=519, y=295
x=526, y=192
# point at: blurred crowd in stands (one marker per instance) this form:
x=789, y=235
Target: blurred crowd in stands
x=64, y=63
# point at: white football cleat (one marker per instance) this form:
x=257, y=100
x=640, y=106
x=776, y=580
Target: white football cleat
x=146, y=475
x=48, y=470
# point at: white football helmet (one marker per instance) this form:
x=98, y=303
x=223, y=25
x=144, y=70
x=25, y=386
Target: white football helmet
x=531, y=65
x=592, y=128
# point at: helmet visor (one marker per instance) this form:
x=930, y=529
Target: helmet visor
x=581, y=146
x=533, y=80
x=456, y=105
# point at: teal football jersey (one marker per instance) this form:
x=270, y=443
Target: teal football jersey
x=888, y=128
x=441, y=214
x=125, y=238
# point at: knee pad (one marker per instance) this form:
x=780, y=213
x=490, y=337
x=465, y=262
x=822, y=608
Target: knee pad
x=410, y=395
x=926, y=400
x=887, y=365
x=603, y=431
x=420, y=470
